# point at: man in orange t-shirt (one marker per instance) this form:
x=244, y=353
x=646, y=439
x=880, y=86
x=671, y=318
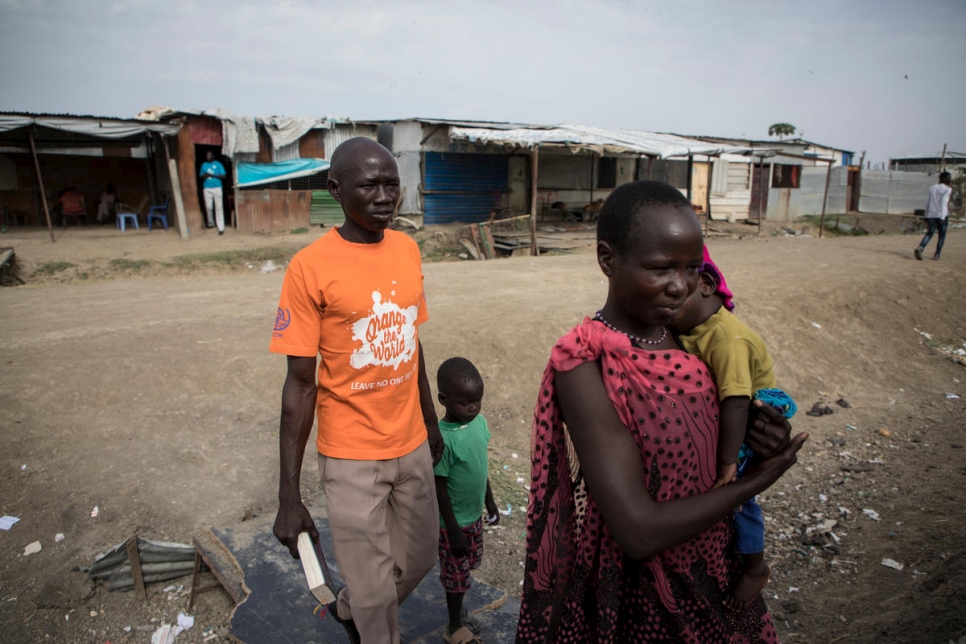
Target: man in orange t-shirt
x=355, y=298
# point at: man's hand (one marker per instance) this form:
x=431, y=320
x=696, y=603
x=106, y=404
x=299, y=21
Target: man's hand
x=768, y=431
x=436, y=444
x=457, y=543
x=291, y=520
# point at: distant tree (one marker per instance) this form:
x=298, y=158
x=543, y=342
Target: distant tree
x=781, y=130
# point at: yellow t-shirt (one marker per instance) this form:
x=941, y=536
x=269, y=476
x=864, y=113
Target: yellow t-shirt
x=738, y=357
x=358, y=306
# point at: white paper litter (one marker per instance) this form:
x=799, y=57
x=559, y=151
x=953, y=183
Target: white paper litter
x=95, y=511
x=165, y=634
x=816, y=325
x=58, y=537
x=32, y=548
x=872, y=514
x=892, y=563
x=6, y=522
x=185, y=621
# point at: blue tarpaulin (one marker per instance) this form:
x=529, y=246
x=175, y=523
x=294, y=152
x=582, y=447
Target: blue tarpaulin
x=255, y=174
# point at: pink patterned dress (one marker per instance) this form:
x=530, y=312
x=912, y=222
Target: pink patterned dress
x=578, y=585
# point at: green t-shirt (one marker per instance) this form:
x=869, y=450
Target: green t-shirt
x=465, y=466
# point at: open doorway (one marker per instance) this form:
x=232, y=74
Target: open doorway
x=227, y=187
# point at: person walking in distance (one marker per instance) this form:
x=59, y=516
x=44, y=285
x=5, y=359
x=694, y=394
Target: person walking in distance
x=937, y=214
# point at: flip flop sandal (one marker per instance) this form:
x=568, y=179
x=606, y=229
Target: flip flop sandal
x=816, y=410
x=463, y=635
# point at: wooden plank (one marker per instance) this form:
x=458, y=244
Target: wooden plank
x=475, y=234
x=488, y=241
x=134, y=557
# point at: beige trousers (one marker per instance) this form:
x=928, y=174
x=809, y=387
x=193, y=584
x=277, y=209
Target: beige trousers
x=384, y=522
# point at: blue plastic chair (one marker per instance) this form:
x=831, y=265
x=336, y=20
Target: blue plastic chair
x=160, y=213
x=123, y=218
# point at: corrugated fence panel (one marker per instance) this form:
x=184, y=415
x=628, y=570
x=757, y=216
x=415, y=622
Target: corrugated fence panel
x=272, y=211
x=910, y=191
x=463, y=187
x=325, y=210
x=894, y=193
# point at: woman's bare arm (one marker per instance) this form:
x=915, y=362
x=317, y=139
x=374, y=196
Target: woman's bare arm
x=615, y=474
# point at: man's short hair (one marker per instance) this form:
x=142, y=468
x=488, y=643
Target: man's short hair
x=456, y=370
x=347, y=146
x=945, y=177
x=617, y=214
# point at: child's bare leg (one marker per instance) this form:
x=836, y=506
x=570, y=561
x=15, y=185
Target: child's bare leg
x=754, y=576
x=454, y=605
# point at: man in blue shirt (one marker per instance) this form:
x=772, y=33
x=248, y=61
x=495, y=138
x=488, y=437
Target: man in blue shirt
x=213, y=172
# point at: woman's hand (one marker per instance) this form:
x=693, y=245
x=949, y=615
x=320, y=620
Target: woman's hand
x=765, y=472
x=768, y=431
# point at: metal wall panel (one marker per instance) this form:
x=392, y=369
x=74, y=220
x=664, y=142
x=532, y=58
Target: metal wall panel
x=463, y=187
x=325, y=210
x=272, y=211
x=894, y=193
x=341, y=133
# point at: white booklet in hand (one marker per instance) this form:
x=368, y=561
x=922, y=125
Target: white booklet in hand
x=316, y=572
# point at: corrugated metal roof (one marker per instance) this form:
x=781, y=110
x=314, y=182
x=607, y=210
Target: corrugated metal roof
x=766, y=142
x=931, y=155
x=67, y=115
x=597, y=139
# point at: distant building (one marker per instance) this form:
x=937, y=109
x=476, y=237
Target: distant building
x=931, y=163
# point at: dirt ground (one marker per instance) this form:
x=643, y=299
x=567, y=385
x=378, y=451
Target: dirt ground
x=141, y=384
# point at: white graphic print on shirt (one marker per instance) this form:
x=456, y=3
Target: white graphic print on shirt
x=388, y=335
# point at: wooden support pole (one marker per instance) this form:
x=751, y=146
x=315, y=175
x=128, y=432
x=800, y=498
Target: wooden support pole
x=593, y=157
x=761, y=189
x=40, y=184
x=147, y=168
x=534, y=161
x=134, y=557
x=828, y=179
x=707, y=193
x=942, y=162
x=176, y=192
x=690, y=172
x=650, y=163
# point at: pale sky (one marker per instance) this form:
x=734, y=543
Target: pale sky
x=883, y=76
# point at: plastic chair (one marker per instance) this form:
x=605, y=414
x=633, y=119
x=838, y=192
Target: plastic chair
x=128, y=214
x=160, y=213
x=124, y=217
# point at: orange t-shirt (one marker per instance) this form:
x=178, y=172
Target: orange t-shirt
x=358, y=306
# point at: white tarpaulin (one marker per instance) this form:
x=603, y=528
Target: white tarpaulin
x=600, y=140
x=285, y=130
x=87, y=125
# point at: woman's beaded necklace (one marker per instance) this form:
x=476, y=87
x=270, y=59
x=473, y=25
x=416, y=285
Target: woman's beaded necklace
x=598, y=316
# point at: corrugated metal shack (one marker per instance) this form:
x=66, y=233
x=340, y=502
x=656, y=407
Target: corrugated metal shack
x=288, y=203
x=465, y=171
x=783, y=180
x=41, y=154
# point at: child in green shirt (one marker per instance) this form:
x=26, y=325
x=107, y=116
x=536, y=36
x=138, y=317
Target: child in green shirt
x=462, y=489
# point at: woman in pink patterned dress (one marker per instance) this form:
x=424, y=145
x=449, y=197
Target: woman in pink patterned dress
x=625, y=542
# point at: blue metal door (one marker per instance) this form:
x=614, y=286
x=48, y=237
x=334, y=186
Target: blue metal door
x=463, y=187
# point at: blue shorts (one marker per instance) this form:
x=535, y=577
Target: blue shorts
x=750, y=527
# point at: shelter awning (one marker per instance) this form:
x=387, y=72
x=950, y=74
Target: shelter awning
x=256, y=174
x=600, y=140
x=89, y=126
